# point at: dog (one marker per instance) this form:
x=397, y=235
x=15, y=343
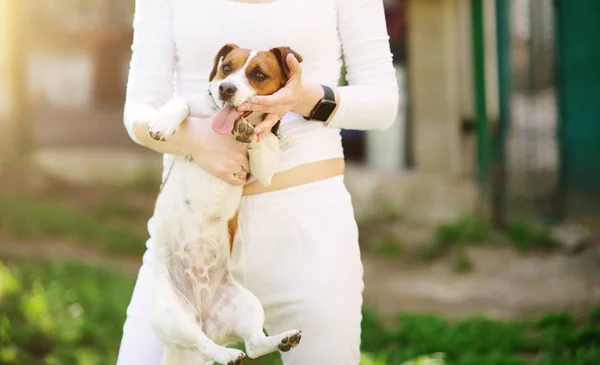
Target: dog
x=198, y=309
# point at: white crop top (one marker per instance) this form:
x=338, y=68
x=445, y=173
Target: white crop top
x=175, y=42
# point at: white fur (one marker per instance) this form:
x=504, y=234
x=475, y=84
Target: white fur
x=175, y=109
x=198, y=308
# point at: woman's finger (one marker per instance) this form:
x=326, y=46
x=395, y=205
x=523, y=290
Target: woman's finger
x=268, y=100
x=266, y=125
x=242, y=162
x=255, y=108
x=294, y=65
x=232, y=179
x=237, y=174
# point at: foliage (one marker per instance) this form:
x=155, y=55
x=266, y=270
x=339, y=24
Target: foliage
x=387, y=246
x=462, y=262
x=554, y=339
x=475, y=230
x=146, y=180
x=524, y=234
x=467, y=230
x=385, y=213
x=61, y=313
x=69, y=313
x=31, y=218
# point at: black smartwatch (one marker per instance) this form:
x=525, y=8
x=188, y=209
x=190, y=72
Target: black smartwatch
x=322, y=111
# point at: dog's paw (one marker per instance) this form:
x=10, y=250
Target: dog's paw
x=243, y=130
x=169, y=117
x=290, y=341
x=230, y=357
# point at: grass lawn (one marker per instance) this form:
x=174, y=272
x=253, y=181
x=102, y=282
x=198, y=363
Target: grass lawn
x=54, y=312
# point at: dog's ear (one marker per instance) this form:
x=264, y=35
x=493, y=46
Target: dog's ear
x=281, y=54
x=223, y=52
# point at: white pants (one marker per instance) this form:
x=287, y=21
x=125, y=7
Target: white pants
x=297, y=251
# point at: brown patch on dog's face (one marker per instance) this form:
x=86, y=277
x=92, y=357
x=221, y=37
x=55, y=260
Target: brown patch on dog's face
x=268, y=72
x=233, y=58
x=264, y=74
x=281, y=54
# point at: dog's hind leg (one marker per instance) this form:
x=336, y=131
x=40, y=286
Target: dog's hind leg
x=177, y=327
x=246, y=316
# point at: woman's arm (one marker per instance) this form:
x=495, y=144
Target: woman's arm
x=370, y=100
x=150, y=83
x=150, y=89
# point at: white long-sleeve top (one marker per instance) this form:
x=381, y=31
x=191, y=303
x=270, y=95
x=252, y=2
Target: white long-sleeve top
x=175, y=42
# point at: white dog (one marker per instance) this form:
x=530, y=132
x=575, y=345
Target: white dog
x=198, y=308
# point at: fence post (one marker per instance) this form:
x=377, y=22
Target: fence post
x=504, y=107
x=479, y=91
x=19, y=144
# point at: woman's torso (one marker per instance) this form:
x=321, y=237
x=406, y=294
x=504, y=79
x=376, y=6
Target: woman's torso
x=202, y=27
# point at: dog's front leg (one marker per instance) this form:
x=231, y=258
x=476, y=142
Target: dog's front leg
x=168, y=119
x=264, y=158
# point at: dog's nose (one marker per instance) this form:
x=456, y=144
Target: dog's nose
x=227, y=90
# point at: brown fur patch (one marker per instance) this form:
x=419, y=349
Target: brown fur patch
x=234, y=59
x=265, y=63
x=232, y=226
x=224, y=51
x=281, y=54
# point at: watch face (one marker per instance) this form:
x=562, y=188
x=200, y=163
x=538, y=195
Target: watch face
x=326, y=107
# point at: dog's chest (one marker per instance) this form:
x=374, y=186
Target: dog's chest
x=193, y=211
x=191, y=193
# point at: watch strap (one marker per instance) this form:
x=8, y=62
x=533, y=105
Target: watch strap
x=329, y=95
x=322, y=111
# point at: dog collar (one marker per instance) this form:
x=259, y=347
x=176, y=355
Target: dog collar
x=212, y=98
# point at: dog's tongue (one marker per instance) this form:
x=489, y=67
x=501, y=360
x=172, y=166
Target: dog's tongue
x=223, y=121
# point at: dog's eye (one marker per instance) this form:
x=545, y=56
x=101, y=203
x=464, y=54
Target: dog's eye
x=226, y=68
x=259, y=75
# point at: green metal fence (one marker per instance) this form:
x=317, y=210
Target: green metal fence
x=532, y=149
x=578, y=45
x=546, y=145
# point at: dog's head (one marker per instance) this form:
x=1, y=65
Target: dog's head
x=240, y=73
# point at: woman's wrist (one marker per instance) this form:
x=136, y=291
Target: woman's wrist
x=310, y=95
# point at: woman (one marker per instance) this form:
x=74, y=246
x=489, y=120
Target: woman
x=297, y=242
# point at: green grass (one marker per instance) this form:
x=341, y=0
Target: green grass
x=466, y=230
x=387, y=246
x=106, y=224
x=462, y=262
x=554, y=339
x=524, y=235
x=469, y=231
x=146, y=180
x=384, y=214
x=66, y=313
x=61, y=313
x=117, y=227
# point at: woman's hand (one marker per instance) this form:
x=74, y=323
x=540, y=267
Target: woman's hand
x=220, y=155
x=296, y=96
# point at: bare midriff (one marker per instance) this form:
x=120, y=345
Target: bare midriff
x=299, y=175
